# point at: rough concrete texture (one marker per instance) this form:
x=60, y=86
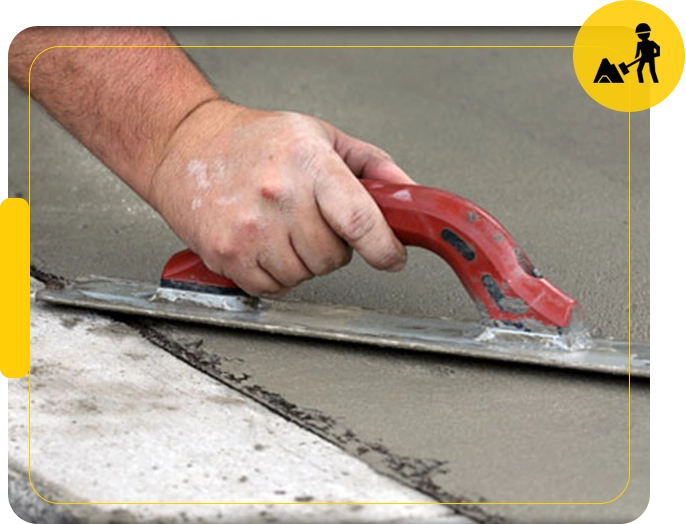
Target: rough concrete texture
x=113, y=418
x=511, y=130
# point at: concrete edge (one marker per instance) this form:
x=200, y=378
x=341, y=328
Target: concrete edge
x=26, y=507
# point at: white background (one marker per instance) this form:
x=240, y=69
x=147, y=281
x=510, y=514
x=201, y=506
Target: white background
x=667, y=167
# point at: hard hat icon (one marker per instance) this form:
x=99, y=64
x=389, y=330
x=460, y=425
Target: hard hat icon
x=643, y=28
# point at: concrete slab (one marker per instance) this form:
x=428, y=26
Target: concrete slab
x=460, y=429
x=115, y=419
x=510, y=129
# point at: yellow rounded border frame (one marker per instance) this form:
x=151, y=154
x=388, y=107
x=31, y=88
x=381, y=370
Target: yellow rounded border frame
x=20, y=274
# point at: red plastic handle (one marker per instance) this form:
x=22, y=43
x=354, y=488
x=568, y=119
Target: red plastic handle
x=185, y=270
x=497, y=274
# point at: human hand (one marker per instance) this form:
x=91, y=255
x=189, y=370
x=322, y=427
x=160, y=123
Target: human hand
x=271, y=199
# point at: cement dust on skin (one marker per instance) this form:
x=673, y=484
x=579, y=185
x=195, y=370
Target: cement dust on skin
x=206, y=176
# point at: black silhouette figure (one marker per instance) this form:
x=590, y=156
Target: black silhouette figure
x=648, y=51
x=607, y=74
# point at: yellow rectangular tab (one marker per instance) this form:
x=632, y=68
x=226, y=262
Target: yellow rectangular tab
x=15, y=287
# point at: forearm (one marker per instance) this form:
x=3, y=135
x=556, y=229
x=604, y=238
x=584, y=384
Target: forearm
x=268, y=199
x=122, y=104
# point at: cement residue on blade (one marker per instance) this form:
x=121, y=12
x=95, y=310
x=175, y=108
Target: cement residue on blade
x=577, y=336
x=534, y=334
x=221, y=302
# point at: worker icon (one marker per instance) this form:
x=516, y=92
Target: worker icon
x=648, y=51
x=612, y=36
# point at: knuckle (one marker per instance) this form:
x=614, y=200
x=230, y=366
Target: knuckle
x=272, y=189
x=277, y=192
x=248, y=263
x=249, y=224
x=335, y=260
x=307, y=155
x=382, y=155
x=225, y=249
x=359, y=223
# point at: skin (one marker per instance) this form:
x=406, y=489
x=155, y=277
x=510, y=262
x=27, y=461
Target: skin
x=268, y=199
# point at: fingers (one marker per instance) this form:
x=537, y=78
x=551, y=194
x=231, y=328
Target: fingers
x=257, y=282
x=354, y=216
x=254, y=280
x=319, y=248
x=368, y=161
x=284, y=265
x=270, y=272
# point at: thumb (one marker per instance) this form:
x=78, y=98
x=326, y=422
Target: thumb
x=354, y=216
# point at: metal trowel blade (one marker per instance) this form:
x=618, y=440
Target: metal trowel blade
x=355, y=325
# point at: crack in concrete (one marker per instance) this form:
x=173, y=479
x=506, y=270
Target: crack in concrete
x=414, y=472
x=50, y=280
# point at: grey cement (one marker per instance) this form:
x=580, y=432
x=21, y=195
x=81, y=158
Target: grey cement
x=114, y=419
x=461, y=429
x=511, y=130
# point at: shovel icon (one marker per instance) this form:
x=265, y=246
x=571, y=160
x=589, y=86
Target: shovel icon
x=625, y=68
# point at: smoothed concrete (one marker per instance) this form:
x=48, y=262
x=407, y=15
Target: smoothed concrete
x=461, y=429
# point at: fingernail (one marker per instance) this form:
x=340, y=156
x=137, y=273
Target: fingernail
x=398, y=266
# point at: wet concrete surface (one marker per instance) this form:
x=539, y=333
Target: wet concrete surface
x=510, y=129
x=455, y=429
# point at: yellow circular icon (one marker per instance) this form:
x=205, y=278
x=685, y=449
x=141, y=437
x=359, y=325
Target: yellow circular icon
x=628, y=56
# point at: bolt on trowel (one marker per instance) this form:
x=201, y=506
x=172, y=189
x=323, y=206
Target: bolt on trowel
x=526, y=319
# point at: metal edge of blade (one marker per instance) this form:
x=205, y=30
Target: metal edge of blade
x=131, y=297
